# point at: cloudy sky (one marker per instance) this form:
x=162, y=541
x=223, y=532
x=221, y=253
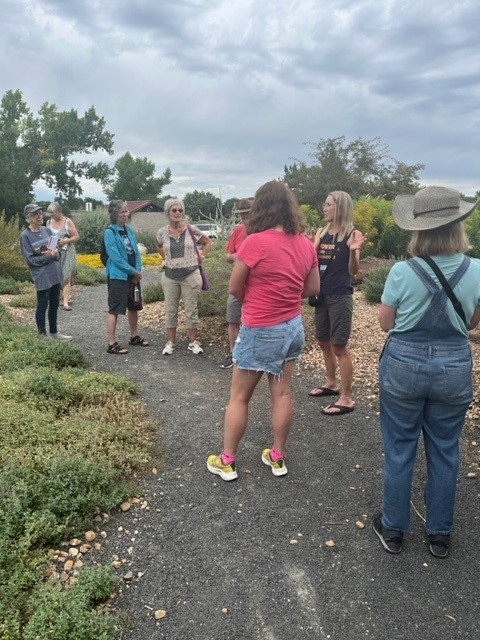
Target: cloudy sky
x=226, y=92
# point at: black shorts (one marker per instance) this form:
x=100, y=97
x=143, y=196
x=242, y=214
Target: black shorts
x=118, y=297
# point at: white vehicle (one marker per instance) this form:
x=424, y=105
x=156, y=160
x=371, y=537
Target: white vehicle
x=209, y=229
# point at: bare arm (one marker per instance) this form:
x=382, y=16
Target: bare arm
x=475, y=319
x=73, y=233
x=236, y=285
x=206, y=243
x=386, y=317
x=311, y=286
x=355, y=243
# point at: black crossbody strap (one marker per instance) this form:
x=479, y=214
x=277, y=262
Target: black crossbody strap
x=446, y=286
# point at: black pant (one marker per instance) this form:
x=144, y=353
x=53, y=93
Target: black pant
x=47, y=299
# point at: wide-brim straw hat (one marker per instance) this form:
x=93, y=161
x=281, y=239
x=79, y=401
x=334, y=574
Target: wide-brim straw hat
x=431, y=208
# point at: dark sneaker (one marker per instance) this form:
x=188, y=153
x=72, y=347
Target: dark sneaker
x=227, y=363
x=438, y=545
x=391, y=540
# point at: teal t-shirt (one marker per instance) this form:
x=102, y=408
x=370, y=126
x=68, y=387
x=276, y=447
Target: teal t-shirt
x=405, y=292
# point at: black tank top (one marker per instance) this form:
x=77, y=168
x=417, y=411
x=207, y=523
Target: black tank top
x=333, y=260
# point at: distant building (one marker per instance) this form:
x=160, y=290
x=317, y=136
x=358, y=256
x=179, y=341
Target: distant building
x=146, y=215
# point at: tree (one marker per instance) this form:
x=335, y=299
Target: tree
x=134, y=179
x=47, y=147
x=229, y=206
x=201, y=205
x=360, y=167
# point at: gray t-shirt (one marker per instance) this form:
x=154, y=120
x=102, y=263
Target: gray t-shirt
x=44, y=268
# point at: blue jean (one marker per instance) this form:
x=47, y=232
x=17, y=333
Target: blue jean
x=423, y=389
x=47, y=299
x=268, y=348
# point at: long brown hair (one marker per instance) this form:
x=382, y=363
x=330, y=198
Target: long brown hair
x=275, y=206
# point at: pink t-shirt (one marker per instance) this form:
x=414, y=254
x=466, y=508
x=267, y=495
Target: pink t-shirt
x=279, y=264
x=237, y=236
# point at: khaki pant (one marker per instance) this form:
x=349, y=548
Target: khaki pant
x=189, y=289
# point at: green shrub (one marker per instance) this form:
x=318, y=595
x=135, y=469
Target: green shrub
x=148, y=239
x=23, y=347
x=374, y=283
x=12, y=264
x=24, y=300
x=393, y=241
x=214, y=301
x=472, y=226
x=153, y=293
x=58, y=613
x=91, y=227
x=9, y=286
x=88, y=276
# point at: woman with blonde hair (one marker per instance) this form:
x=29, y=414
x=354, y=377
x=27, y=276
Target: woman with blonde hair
x=429, y=303
x=338, y=246
x=275, y=267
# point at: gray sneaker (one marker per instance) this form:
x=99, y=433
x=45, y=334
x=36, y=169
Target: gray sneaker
x=61, y=336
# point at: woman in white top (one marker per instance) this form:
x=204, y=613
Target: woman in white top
x=67, y=233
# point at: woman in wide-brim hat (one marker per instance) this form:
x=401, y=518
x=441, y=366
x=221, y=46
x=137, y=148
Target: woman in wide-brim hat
x=425, y=369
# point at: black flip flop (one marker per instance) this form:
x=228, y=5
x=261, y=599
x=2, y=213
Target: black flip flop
x=325, y=391
x=341, y=409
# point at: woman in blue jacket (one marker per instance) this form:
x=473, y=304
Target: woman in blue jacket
x=123, y=268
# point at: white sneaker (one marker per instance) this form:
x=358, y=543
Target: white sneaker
x=195, y=347
x=60, y=336
x=168, y=349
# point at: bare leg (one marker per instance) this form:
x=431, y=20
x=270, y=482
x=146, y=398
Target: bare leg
x=192, y=334
x=330, y=366
x=236, y=415
x=111, y=327
x=282, y=409
x=67, y=288
x=233, y=329
x=172, y=334
x=346, y=375
x=133, y=322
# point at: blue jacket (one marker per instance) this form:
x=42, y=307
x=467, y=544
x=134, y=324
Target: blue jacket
x=118, y=267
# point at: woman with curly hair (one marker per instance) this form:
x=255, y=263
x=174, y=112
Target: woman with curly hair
x=275, y=267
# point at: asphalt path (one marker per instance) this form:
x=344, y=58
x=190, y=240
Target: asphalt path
x=249, y=559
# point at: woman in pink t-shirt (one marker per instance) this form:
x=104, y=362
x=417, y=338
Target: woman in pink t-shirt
x=275, y=267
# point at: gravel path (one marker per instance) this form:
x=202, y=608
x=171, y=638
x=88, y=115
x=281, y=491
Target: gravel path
x=250, y=559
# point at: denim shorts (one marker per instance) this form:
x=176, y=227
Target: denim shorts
x=268, y=348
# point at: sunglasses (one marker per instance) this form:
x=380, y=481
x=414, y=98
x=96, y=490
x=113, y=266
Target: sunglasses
x=176, y=210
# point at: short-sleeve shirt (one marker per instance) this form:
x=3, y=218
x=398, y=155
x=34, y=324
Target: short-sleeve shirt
x=181, y=257
x=405, y=291
x=236, y=238
x=279, y=264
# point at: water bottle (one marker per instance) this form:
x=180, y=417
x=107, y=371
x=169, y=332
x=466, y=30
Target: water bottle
x=136, y=293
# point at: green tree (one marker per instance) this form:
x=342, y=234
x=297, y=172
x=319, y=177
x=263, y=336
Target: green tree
x=229, y=206
x=201, y=205
x=359, y=167
x=134, y=179
x=47, y=147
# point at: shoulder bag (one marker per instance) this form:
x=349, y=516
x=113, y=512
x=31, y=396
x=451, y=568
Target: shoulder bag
x=203, y=273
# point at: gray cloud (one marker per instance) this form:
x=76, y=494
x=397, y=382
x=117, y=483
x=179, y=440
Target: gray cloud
x=226, y=92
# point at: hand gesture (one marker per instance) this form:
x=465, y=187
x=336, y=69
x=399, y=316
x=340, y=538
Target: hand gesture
x=356, y=240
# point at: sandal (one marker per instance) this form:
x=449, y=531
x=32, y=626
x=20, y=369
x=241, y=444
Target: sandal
x=117, y=348
x=140, y=342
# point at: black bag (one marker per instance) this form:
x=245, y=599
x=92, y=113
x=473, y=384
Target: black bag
x=103, y=248
x=316, y=300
